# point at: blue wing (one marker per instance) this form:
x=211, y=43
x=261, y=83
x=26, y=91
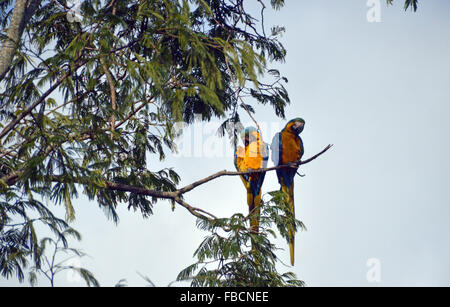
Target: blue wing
x=265, y=155
x=275, y=146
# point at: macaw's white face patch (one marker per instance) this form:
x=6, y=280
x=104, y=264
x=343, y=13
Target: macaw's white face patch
x=298, y=127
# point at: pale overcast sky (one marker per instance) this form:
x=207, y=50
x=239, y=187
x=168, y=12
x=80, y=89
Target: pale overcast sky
x=378, y=91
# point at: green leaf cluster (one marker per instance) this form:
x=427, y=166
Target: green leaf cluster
x=234, y=256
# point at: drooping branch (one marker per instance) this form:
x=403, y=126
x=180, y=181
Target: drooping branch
x=194, y=211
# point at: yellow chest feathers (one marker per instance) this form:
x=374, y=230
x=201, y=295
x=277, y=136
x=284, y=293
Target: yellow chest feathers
x=291, y=151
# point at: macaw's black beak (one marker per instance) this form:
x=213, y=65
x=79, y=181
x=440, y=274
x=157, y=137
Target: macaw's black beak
x=298, y=129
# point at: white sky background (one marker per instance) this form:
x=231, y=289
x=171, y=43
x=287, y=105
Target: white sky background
x=380, y=93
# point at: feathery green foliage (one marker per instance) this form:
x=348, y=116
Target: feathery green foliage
x=51, y=265
x=226, y=258
x=413, y=4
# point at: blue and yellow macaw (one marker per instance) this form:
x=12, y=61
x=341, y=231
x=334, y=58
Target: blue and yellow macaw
x=287, y=146
x=254, y=155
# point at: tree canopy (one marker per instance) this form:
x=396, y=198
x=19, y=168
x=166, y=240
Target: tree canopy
x=86, y=106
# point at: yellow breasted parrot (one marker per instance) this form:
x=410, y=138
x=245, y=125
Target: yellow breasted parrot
x=254, y=155
x=287, y=146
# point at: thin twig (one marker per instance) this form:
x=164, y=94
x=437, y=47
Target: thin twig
x=112, y=90
x=262, y=17
x=239, y=96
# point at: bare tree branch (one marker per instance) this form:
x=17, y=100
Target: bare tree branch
x=194, y=211
x=228, y=173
